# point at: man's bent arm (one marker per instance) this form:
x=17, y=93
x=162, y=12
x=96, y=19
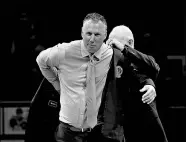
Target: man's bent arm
x=48, y=62
x=142, y=61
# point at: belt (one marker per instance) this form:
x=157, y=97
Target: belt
x=80, y=129
x=75, y=129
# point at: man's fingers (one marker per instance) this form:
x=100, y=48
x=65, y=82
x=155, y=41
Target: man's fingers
x=149, y=100
x=146, y=94
x=148, y=97
x=108, y=41
x=143, y=89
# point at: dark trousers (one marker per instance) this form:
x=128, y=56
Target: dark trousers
x=65, y=134
x=142, y=123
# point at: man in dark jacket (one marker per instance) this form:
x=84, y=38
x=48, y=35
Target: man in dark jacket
x=128, y=103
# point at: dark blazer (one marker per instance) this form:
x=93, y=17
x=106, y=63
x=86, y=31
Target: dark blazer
x=43, y=115
x=122, y=110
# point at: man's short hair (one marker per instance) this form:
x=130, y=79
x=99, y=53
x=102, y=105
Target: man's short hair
x=96, y=17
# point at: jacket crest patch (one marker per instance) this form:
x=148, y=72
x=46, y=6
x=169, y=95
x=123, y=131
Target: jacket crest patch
x=119, y=71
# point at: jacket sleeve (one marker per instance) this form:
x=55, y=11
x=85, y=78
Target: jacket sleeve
x=48, y=62
x=145, y=63
x=142, y=79
x=137, y=79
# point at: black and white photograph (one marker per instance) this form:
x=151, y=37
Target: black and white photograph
x=15, y=119
x=93, y=71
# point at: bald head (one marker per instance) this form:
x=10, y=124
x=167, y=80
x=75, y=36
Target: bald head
x=123, y=34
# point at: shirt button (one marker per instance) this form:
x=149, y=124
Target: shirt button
x=84, y=86
x=84, y=67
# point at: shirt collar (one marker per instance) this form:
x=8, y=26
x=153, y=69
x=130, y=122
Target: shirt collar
x=85, y=53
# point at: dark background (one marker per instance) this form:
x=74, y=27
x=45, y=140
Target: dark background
x=158, y=28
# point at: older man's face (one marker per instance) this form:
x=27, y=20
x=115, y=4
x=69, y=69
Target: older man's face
x=93, y=34
x=123, y=35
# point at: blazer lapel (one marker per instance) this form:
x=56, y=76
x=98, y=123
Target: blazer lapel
x=110, y=102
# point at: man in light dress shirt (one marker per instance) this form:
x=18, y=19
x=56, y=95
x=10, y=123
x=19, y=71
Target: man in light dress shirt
x=65, y=67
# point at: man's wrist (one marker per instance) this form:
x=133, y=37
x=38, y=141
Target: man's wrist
x=124, y=50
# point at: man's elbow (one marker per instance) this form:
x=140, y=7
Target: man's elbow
x=41, y=57
x=155, y=66
x=157, y=69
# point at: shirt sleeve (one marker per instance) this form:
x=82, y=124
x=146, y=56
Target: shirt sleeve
x=48, y=61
